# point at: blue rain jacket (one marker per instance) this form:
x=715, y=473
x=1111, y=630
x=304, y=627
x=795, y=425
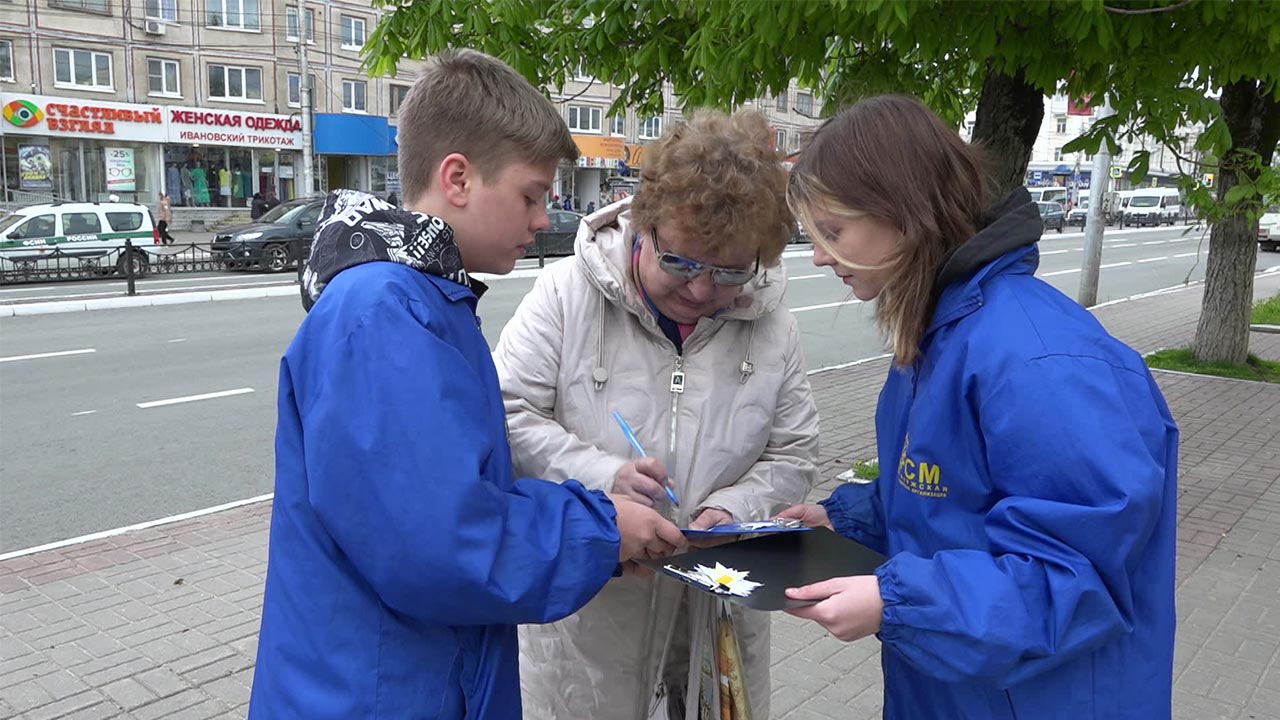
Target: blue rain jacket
x=1027, y=500
x=402, y=550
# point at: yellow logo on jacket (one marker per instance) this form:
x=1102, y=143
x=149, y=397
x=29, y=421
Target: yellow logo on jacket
x=920, y=477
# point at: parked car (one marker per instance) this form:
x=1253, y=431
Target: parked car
x=1052, y=215
x=1269, y=230
x=558, y=239
x=79, y=237
x=274, y=242
x=1080, y=213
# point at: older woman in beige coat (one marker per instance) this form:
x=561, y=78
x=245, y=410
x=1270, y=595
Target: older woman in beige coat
x=671, y=314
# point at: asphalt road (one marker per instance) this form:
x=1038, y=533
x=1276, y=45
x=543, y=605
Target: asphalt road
x=114, y=427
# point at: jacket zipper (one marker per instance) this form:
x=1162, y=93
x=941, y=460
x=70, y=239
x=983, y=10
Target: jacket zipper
x=677, y=389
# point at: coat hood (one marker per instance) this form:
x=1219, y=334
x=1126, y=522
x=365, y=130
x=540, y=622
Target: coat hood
x=356, y=228
x=604, y=248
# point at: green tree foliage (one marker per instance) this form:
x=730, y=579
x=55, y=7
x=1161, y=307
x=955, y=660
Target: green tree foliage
x=1164, y=64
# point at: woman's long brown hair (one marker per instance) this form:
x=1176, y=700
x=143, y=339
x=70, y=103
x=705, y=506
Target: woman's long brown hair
x=890, y=157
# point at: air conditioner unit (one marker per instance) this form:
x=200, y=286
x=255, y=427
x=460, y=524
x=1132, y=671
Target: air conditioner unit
x=153, y=27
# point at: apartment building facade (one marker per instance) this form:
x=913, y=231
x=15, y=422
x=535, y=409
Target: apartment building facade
x=202, y=99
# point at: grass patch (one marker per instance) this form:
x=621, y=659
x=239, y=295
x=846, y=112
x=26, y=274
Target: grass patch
x=1183, y=360
x=1267, y=312
x=866, y=469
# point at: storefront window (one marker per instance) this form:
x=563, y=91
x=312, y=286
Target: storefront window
x=39, y=169
x=378, y=167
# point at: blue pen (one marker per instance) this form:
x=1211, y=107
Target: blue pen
x=631, y=438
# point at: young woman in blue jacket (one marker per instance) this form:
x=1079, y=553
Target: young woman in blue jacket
x=1028, y=462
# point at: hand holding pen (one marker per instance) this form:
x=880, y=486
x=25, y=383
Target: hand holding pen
x=644, y=479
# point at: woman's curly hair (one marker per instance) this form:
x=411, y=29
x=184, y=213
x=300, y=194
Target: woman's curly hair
x=719, y=180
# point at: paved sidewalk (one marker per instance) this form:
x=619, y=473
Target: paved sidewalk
x=162, y=622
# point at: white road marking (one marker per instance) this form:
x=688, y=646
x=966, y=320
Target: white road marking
x=83, y=412
x=1182, y=255
x=1115, y=264
x=1061, y=272
x=177, y=340
x=1059, y=252
x=194, y=398
x=38, y=356
x=807, y=308
x=1120, y=245
x=1155, y=259
x=807, y=277
x=140, y=526
x=1155, y=242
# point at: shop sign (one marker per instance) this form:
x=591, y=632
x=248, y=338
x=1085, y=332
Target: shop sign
x=50, y=116
x=232, y=127
x=599, y=151
x=76, y=117
x=634, y=155
x=120, y=169
x=35, y=167
x=393, y=181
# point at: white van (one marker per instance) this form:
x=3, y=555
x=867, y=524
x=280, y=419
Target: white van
x=1049, y=194
x=75, y=237
x=1153, y=206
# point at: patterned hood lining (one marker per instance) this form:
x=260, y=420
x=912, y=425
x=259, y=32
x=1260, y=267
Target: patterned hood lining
x=356, y=228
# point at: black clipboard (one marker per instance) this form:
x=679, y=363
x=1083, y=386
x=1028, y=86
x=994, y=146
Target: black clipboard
x=776, y=562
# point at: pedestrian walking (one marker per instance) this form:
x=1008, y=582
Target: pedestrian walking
x=258, y=207
x=164, y=216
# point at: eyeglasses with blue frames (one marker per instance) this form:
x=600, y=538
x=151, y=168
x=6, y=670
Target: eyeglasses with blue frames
x=688, y=270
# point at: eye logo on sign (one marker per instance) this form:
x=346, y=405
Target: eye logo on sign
x=23, y=113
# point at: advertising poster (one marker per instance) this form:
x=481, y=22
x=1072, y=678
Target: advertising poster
x=35, y=167
x=120, y=172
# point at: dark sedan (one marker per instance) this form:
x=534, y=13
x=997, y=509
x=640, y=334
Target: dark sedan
x=1052, y=215
x=558, y=239
x=274, y=242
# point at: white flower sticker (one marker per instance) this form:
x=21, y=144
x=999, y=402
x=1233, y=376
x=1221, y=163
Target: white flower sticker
x=720, y=579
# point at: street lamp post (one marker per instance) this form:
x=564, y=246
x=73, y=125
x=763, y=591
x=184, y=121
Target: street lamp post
x=304, y=96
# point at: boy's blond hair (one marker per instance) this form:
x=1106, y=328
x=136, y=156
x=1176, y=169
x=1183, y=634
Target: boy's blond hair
x=471, y=103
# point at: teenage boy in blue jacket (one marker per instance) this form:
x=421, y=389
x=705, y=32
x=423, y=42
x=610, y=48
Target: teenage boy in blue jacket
x=403, y=553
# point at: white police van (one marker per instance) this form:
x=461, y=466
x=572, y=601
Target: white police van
x=76, y=237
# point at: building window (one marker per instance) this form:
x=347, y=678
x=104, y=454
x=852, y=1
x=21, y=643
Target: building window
x=398, y=95
x=651, y=128
x=1057, y=154
x=234, y=14
x=162, y=77
x=580, y=74
x=583, y=118
x=352, y=32
x=95, y=6
x=295, y=89
x=617, y=124
x=353, y=95
x=780, y=139
x=804, y=103
x=82, y=68
x=166, y=10
x=6, y=60
x=1062, y=124
x=291, y=24
x=228, y=82
x=780, y=102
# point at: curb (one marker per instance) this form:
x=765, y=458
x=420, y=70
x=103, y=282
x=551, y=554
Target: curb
x=114, y=303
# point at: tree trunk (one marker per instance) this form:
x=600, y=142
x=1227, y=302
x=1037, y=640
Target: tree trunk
x=1010, y=111
x=1222, y=335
